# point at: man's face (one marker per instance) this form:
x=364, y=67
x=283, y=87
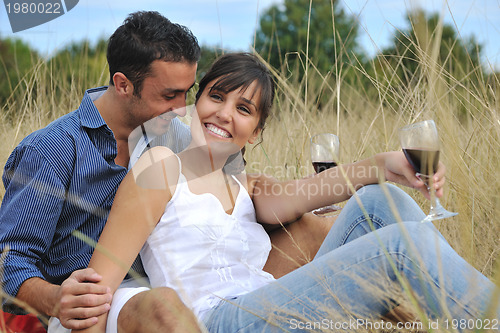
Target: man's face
x=164, y=92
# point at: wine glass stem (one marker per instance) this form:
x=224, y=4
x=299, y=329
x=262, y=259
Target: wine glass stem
x=432, y=191
x=434, y=202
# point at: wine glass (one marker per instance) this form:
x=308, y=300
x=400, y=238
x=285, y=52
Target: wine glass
x=324, y=155
x=420, y=143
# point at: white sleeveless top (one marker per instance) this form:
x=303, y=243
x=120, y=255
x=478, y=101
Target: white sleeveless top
x=205, y=254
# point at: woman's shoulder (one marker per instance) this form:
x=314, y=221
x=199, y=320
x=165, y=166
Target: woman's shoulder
x=158, y=152
x=157, y=168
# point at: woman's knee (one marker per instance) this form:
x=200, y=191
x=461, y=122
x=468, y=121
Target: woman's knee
x=416, y=237
x=165, y=303
x=157, y=309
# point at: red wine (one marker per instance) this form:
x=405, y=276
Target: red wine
x=421, y=160
x=322, y=166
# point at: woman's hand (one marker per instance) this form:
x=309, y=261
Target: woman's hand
x=397, y=169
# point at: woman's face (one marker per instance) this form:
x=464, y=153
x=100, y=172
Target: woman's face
x=230, y=118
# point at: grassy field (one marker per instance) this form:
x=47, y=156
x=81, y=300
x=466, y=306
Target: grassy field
x=365, y=119
x=468, y=120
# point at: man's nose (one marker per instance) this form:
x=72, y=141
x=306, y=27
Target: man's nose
x=180, y=111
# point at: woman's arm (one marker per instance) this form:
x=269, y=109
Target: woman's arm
x=278, y=202
x=138, y=205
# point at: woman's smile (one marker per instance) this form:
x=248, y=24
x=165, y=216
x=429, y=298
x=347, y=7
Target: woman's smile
x=217, y=131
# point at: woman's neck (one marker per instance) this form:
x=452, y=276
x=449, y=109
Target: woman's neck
x=202, y=160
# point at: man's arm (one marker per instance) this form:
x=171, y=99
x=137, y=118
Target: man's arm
x=39, y=294
x=76, y=302
x=29, y=215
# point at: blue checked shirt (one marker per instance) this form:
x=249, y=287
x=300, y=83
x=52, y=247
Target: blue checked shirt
x=59, y=179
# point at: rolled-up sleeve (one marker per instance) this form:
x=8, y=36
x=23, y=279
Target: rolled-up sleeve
x=33, y=200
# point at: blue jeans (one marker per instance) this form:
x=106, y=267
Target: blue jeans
x=357, y=273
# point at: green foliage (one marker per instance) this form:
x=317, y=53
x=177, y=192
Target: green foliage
x=208, y=55
x=81, y=64
x=288, y=34
x=290, y=31
x=430, y=55
x=412, y=48
x=16, y=61
x=28, y=77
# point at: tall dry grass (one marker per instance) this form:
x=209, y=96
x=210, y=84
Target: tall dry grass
x=465, y=110
x=367, y=122
x=470, y=146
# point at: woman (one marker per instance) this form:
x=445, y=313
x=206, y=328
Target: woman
x=195, y=226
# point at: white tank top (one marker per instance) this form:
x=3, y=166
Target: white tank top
x=205, y=254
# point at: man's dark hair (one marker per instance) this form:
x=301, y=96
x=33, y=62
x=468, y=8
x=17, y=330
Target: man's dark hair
x=144, y=37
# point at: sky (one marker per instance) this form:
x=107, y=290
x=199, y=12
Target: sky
x=231, y=24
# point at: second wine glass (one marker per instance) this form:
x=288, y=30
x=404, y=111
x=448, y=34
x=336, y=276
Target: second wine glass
x=324, y=155
x=420, y=143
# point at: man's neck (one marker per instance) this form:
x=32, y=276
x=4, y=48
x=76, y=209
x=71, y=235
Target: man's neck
x=111, y=111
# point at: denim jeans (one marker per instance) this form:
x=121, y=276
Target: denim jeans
x=358, y=274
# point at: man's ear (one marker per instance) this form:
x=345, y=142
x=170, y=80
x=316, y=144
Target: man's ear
x=255, y=135
x=122, y=84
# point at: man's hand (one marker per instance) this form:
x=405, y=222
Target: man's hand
x=80, y=300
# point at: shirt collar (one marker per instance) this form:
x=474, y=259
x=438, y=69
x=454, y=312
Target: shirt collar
x=89, y=115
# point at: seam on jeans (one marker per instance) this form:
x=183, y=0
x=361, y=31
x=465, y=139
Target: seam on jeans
x=358, y=221
x=208, y=322
x=254, y=322
x=429, y=278
x=399, y=257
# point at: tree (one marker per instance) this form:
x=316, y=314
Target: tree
x=208, y=56
x=16, y=60
x=412, y=48
x=288, y=31
x=80, y=64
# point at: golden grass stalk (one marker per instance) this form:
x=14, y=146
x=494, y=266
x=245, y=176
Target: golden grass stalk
x=366, y=120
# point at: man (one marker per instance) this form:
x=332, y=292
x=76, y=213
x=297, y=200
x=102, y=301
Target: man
x=63, y=179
